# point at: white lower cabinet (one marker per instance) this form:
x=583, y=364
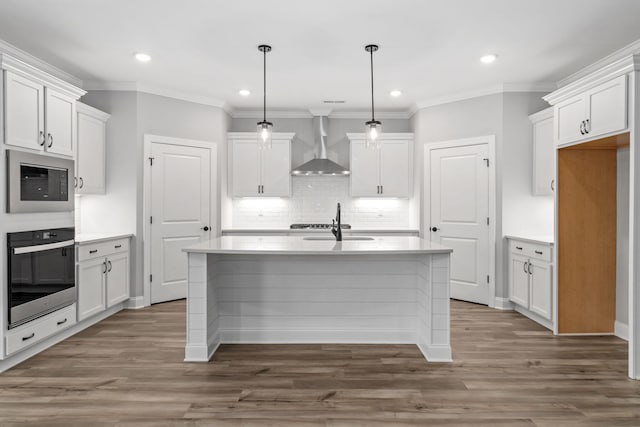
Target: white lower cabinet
x=531, y=279
x=103, y=276
x=37, y=330
x=91, y=287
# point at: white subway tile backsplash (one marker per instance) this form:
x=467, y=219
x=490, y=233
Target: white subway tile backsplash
x=314, y=200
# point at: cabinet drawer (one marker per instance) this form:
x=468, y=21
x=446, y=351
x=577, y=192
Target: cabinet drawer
x=531, y=250
x=102, y=249
x=39, y=329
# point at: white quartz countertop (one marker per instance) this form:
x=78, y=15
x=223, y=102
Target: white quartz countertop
x=545, y=240
x=99, y=237
x=297, y=245
x=319, y=231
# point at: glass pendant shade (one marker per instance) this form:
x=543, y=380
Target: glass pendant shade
x=265, y=131
x=373, y=131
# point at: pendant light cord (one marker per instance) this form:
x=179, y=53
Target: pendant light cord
x=373, y=113
x=264, y=84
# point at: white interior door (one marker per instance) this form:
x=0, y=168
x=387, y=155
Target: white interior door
x=459, y=179
x=180, y=211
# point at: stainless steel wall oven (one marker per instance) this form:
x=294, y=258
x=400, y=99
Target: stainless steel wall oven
x=41, y=271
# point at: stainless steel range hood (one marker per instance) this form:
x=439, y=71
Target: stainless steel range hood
x=321, y=165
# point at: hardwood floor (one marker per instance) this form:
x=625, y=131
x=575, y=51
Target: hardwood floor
x=508, y=371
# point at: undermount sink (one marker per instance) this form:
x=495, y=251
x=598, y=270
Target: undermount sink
x=333, y=238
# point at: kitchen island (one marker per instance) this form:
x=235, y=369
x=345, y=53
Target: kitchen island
x=294, y=289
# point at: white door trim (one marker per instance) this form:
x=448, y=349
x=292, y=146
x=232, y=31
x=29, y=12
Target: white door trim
x=490, y=140
x=146, y=209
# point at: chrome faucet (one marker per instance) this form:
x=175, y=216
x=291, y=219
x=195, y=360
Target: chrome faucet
x=336, y=226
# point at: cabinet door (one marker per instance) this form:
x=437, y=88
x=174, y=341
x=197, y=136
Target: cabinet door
x=569, y=115
x=90, y=155
x=519, y=280
x=60, y=117
x=607, y=106
x=245, y=168
x=24, y=112
x=544, y=162
x=541, y=288
x=394, y=169
x=117, y=279
x=91, y=287
x=365, y=170
x=276, y=170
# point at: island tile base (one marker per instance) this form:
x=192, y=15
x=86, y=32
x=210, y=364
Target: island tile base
x=363, y=299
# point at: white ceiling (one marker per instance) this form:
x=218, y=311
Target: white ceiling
x=428, y=49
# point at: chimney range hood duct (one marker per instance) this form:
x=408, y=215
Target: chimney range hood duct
x=321, y=165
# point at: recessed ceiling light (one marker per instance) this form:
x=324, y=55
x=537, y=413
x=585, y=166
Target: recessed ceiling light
x=244, y=92
x=488, y=59
x=395, y=93
x=143, y=57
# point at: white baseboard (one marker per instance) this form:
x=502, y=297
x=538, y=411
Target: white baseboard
x=436, y=353
x=533, y=316
x=621, y=330
x=135, y=303
x=20, y=357
x=503, y=304
x=333, y=336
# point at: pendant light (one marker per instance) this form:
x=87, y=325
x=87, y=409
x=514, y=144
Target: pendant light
x=265, y=128
x=373, y=128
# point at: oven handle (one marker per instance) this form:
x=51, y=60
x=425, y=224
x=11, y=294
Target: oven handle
x=40, y=248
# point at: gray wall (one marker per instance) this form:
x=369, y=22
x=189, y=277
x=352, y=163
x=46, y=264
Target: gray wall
x=337, y=143
x=506, y=117
x=622, y=243
x=134, y=114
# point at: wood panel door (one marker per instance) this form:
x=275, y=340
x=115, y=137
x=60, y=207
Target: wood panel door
x=460, y=216
x=180, y=214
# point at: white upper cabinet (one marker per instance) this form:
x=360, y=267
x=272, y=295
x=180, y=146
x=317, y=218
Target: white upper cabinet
x=91, y=150
x=255, y=172
x=60, y=117
x=598, y=111
x=544, y=161
x=383, y=172
x=39, y=109
x=24, y=112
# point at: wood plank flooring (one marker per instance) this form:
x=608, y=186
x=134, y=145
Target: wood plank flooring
x=508, y=371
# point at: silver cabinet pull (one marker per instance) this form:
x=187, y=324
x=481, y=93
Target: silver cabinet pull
x=93, y=251
x=110, y=266
x=117, y=246
x=587, y=125
x=382, y=189
x=539, y=252
x=62, y=322
x=50, y=141
x=553, y=185
x=33, y=334
x=519, y=248
x=104, y=264
x=525, y=267
x=529, y=268
x=42, y=138
x=75, y=182
x=81, y=182
x=582, y=128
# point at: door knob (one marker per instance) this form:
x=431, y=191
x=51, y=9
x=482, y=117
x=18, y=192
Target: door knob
x=434, y=229
x=205, y=228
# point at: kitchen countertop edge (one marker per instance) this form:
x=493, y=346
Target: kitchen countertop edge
x=83, y=239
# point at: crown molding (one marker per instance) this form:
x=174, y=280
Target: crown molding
x=477, y=93
x=91, y=111
x=10, y=63
x=307, y=114
x=27, y=58
x=628, y=50
x=160, y=91
x=547, y=113
x=610, y=71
